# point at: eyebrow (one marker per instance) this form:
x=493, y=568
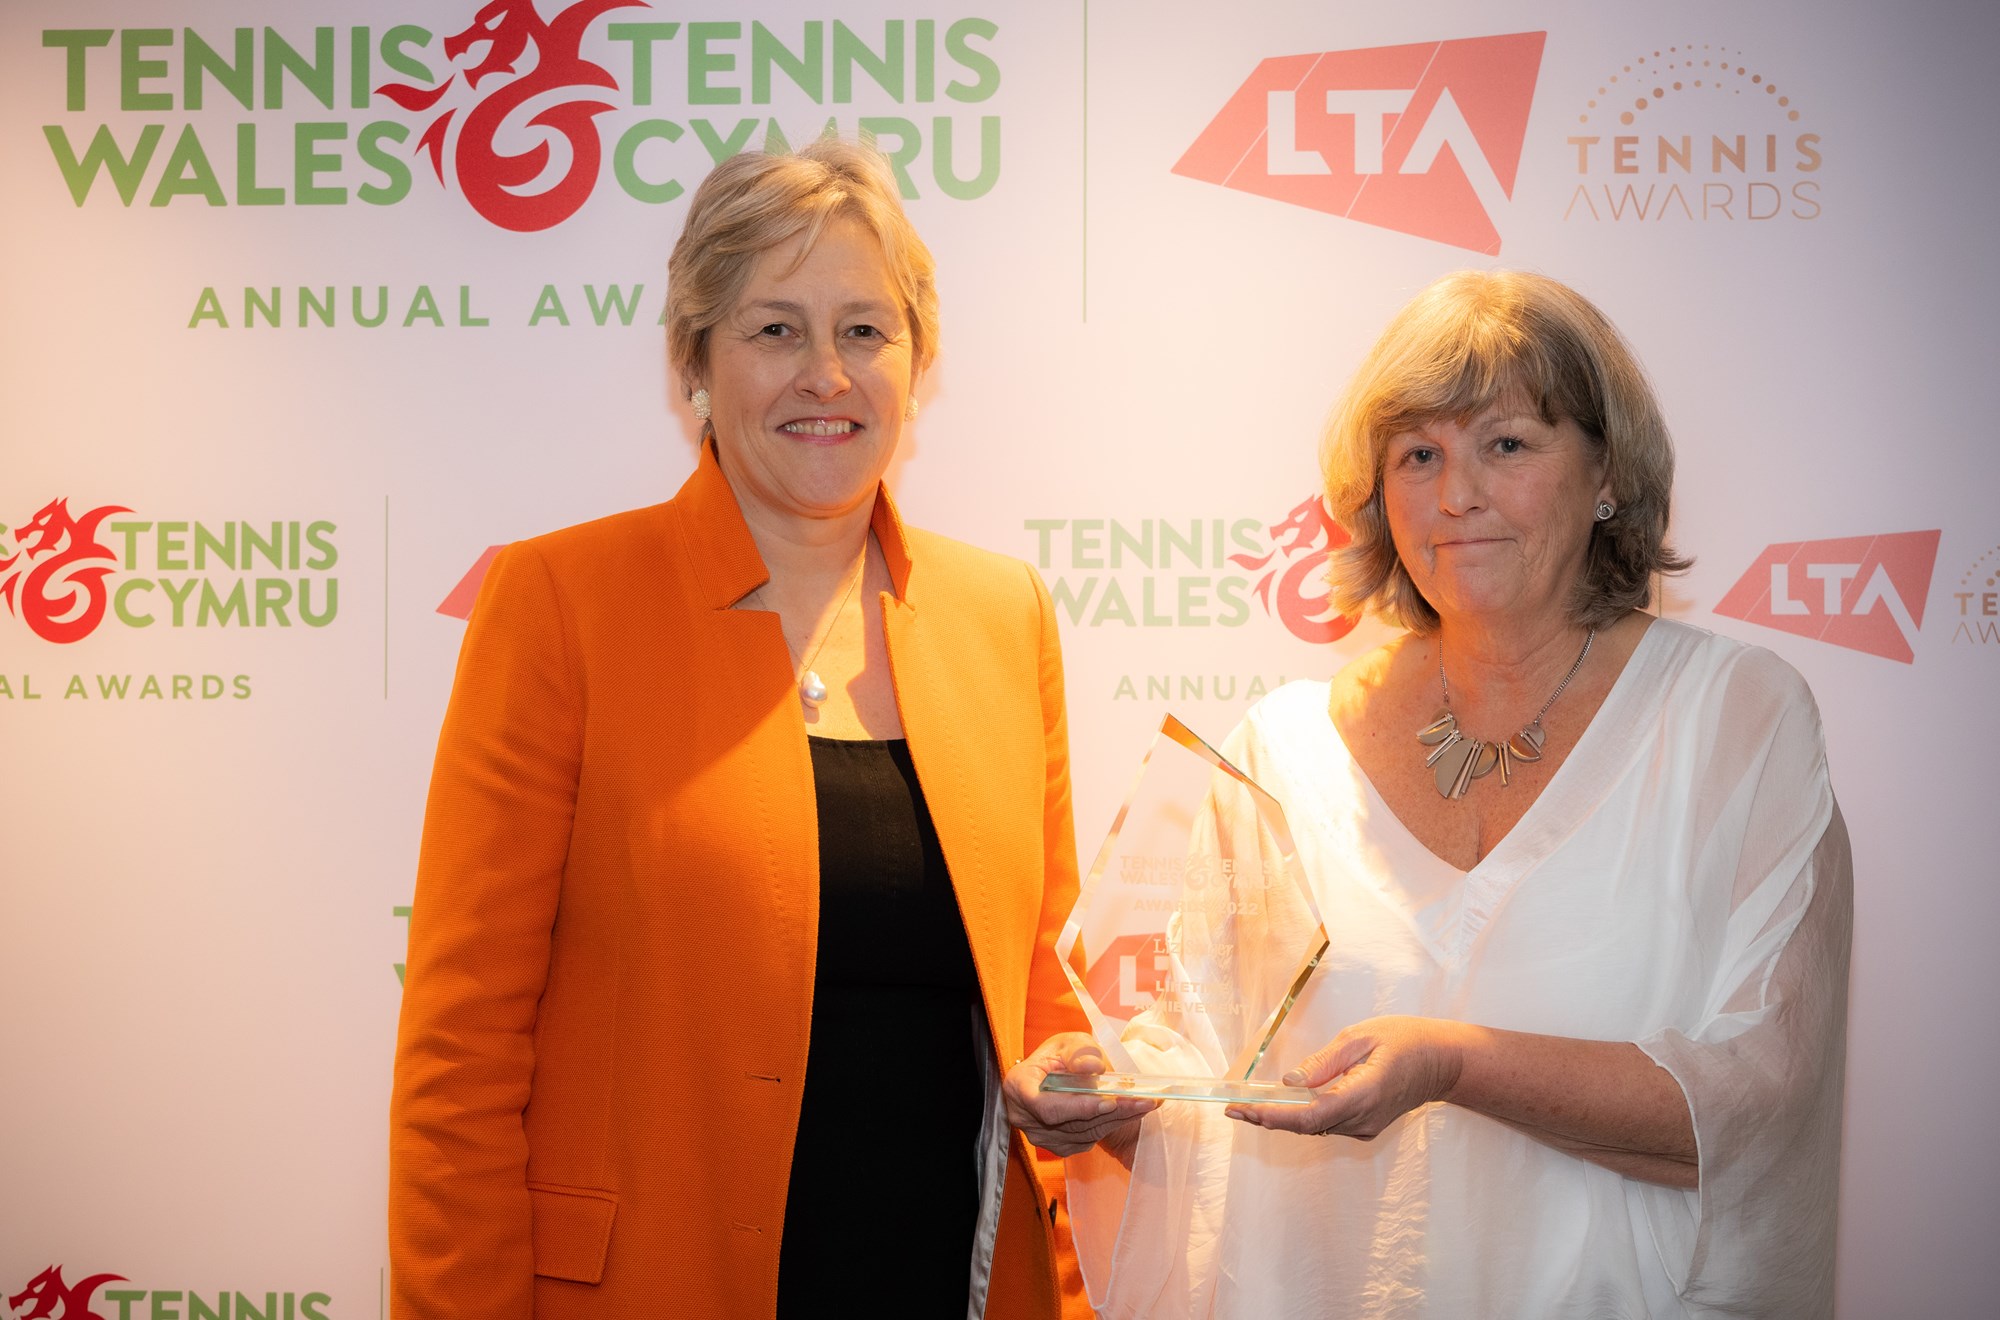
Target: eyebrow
x=867, y=306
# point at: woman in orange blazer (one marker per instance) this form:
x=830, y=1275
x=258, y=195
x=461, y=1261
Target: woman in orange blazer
x=747, y=844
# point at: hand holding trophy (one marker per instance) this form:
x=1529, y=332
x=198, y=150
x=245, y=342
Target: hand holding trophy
x=1187, y=949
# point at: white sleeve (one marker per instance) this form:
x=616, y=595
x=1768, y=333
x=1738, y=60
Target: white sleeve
x=1762, y=1067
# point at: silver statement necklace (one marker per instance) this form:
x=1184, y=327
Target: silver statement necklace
x=1458, y=760
x=812, y=688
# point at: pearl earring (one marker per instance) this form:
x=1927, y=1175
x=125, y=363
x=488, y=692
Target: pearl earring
x=1605, y=508
x=910, y=409
x=702, y=407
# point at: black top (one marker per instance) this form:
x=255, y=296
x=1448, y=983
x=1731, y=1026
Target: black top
x=884, y=1196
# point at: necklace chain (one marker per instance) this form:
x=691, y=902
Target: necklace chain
x=812, y=689
x=1458, y=760
x=1589, y=637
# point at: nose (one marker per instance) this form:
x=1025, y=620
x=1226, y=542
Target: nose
x=822, y=375
x=1459, y=488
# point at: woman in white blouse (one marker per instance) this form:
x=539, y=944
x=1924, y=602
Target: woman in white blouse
x=1582, y=1024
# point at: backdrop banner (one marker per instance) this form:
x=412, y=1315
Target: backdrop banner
x=310, y=306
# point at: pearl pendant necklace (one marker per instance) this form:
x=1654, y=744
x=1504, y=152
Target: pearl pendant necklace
x=812, y=688
x=1458, y=760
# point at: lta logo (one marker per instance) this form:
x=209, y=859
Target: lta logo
x=1423, y=139
x=1866, y=593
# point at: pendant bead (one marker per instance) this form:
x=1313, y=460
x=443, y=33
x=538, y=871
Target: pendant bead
x=812, y=690
x=1457, y=760
x=1440, y=729
x=1527, y=744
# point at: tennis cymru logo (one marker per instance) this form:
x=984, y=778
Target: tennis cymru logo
x=47, y=1297
x=56, y=577
x=1866, y=593
x=1422, y=139
x=54, y=581
x=1697, y=132
x=524, y=116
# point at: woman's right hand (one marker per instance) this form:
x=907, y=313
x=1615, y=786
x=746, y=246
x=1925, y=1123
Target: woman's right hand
x=1066, y=1123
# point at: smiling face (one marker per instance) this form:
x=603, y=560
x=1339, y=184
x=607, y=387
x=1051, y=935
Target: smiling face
x=1492, y=518
x=808, y=377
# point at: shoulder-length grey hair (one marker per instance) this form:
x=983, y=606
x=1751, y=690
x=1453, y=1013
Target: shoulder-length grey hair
x=754, y=202
x=1469, y=341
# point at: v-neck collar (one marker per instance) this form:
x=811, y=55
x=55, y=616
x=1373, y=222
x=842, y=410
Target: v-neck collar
x=1468, y=900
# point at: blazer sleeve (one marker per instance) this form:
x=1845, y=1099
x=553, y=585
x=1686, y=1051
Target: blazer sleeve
x=496, y=837
x=1052, y=1005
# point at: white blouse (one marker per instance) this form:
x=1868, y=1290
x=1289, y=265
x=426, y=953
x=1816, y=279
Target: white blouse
x=1683, y=882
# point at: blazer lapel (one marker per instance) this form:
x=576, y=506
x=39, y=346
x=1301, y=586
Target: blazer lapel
x=942, y=724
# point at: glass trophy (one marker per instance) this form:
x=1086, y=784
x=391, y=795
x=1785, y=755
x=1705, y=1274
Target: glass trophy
x=1193, y=935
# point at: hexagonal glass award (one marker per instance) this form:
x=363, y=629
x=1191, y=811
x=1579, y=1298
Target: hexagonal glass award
x=1193, y=934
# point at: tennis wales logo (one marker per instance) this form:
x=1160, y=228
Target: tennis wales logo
x=47, y=1295
x=1301, y=545
x=54, y=580
x=1422, y=139
x=515, y=34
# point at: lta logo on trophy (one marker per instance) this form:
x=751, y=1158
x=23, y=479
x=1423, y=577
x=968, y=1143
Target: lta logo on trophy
x=1422, y=139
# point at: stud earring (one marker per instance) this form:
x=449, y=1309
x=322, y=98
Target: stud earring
x=1605, y=508
x=910, y=409
x=702, y=407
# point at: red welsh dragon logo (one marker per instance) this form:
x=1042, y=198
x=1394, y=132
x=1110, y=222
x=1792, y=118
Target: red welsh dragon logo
x=515, y=34
x=54, y=581
x=48, y=1291
x=1306, y=538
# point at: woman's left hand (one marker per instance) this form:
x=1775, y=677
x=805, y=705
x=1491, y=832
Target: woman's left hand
x=1068, y=1123
x=1373, y=1073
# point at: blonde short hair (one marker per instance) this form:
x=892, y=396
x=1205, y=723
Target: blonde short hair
x=1469, y=341
x=754, y=202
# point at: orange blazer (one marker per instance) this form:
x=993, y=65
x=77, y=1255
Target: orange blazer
x=610, y=974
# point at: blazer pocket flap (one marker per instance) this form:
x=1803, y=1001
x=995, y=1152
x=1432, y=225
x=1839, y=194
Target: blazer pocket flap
x=572, y=1231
